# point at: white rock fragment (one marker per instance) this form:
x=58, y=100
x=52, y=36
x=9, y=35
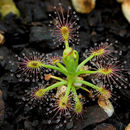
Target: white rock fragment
x=120, y=1
x=128, y=127
x=84, y=6
x=109, y=109
x=126, y=9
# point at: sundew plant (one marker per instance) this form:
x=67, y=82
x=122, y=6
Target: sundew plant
x=75, y=75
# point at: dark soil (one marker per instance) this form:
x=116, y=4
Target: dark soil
x=31, y=32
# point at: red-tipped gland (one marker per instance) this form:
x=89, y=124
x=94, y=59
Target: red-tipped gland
x=55, y=61
x=53, y=58
x=63, y=104
x=112, y=74
x=30, y=66
x=33, y=97
x=101, y=51
x=65, y=26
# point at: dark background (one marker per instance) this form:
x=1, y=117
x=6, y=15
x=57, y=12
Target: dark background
x=31, y=32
